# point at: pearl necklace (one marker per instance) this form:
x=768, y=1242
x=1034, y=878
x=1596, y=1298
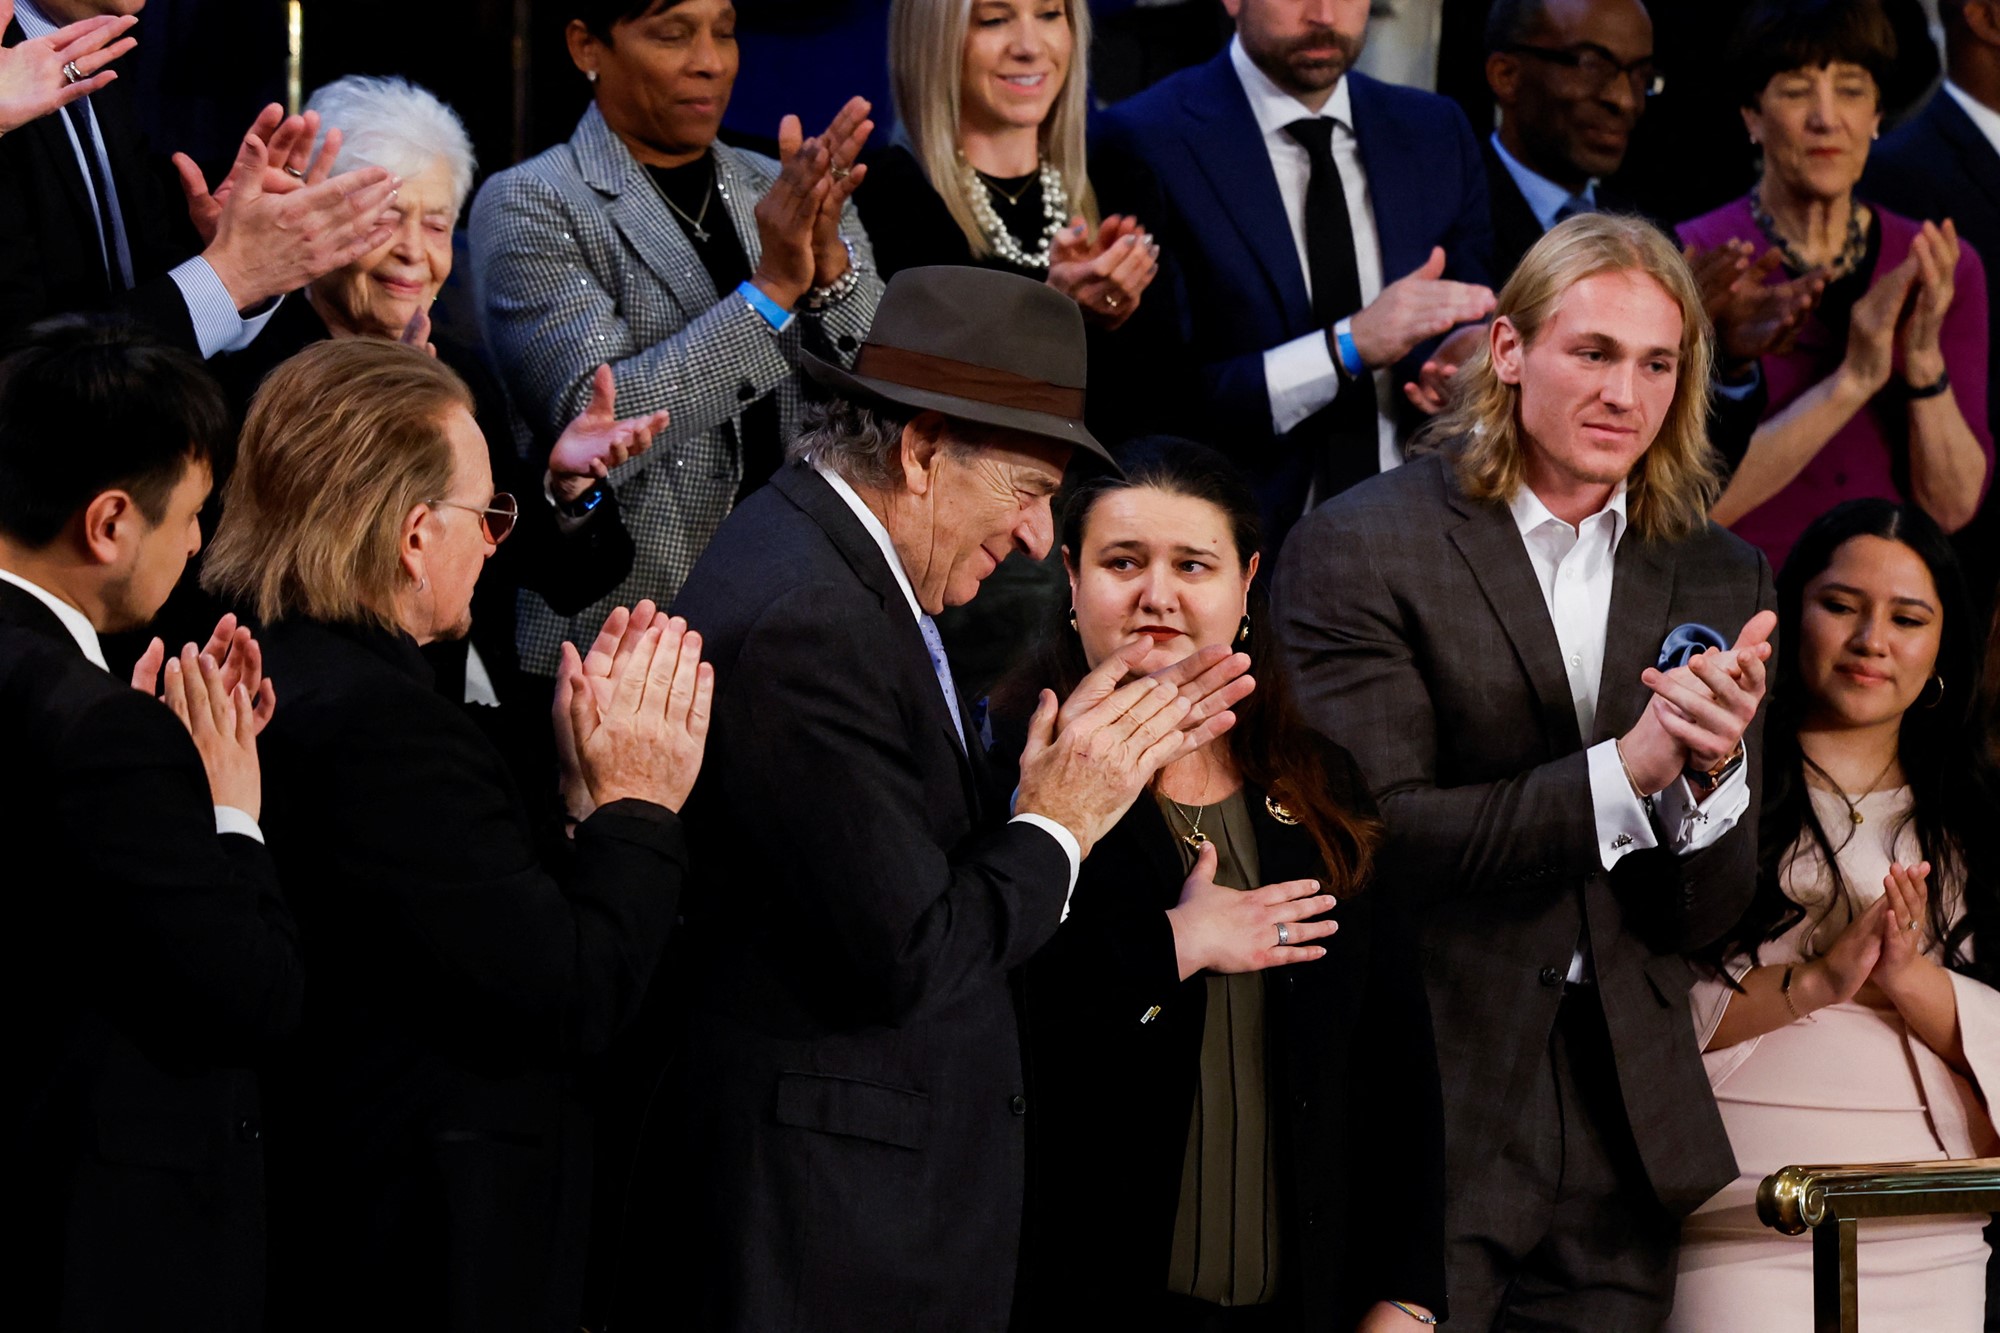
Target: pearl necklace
x=1055, y=214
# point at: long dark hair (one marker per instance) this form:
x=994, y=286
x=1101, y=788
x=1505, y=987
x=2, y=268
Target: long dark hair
x=1951, y=775
x=1270, y=744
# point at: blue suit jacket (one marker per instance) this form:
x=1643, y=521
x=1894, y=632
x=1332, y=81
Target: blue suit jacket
x=1186, y=157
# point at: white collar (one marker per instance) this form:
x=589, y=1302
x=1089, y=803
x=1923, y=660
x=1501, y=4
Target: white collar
x=1273, y=107
x=73, y=620
x=1984, y=117
x=1530, y=513
x=878, y=531
x=1545, y=197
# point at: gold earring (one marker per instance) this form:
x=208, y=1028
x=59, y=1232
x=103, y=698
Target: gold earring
x=1937, y=680
x=1072, y=622
x=1243, y=631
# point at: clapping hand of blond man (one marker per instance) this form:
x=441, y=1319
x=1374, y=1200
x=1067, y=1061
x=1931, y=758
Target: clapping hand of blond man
x=631, y=717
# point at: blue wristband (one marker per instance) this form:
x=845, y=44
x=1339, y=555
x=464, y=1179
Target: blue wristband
x=1350, y=355
x=774, y=314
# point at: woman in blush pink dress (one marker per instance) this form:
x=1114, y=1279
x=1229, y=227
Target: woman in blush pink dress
x=1845, y=1019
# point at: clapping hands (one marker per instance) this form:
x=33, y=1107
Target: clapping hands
x=221, y=695
x=598, y=441
x=631, y=716
x=1107, y=273
x=1699, y=712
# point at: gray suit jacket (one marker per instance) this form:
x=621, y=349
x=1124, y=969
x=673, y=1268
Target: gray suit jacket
x=1421, y=641
x=578, y=263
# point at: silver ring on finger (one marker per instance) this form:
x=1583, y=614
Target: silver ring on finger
x=1284, y=933
x=1111, y=301
x=71, y=74
x=294, y=173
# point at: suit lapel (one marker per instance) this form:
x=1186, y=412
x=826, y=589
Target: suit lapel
x=1227, y=147
x=1491, y=546
x=1976, y=156
x=1386, y=154
x=641, y=216
x=810, y=492
x=1642, y=594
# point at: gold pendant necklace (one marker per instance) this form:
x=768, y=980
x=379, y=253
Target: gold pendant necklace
x=1854, y=815
x=1194, y=837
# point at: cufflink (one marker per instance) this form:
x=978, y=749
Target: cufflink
x=1621, y=842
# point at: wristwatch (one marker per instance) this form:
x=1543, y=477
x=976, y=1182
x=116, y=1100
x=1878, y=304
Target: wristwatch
x=1711, y=778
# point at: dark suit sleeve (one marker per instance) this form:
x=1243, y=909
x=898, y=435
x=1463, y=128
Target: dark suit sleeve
x=1468, y=246
x=203, y=953
x=1359, y=682
x=422, y=820
x=905, y=921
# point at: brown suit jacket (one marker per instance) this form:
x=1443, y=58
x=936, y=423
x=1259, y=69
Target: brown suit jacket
x=1421, y=641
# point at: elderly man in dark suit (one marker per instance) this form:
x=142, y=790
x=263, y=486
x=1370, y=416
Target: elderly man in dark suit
x=1567, y=809
x=157, y=962
x=88, y=222
x=1945, y=163
x=1317, y=228
x=848, y=1112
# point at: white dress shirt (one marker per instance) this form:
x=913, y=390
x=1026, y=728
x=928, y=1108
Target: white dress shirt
x=1299, y=376
x=1983, y=116
x=218, y=327
x=1574, y=566
x=880, y=533
x=228, y=819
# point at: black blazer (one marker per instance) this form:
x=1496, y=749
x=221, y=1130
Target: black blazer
x=155, y=963
x=430, y=1161
x=847, y=1119
x=1419, y=635
x=49, y=258
x=1352, y=1074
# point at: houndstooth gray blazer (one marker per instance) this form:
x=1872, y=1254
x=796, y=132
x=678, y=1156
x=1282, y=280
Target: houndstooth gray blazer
x=578, y=263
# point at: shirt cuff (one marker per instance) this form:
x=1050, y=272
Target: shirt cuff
x=1623, y=826
x=1067, y=841
x=228, y=819
x=212, y=310
x=1690, y=824
x=1737, y=393
x=1299, y=379
x=774, y=314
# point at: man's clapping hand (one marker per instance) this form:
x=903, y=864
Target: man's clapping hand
x=234, y=649
x=1088, y=759
x=223, y=722
x=271, y=241
x=1419, y=305
x=632, y=716
x=598, y=441
x=1699, y=712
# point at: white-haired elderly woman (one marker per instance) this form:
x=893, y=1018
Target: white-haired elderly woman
x=567, y=541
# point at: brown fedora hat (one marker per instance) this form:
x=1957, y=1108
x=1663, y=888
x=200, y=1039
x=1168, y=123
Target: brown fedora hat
x=975, y=344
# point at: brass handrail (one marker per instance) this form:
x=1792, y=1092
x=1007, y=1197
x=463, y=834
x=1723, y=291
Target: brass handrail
x=1832, y=1200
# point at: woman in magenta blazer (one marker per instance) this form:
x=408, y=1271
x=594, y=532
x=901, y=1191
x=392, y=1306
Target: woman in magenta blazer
x=1883, y=391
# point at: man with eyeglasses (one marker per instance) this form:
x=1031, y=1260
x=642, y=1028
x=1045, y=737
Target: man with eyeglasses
x=1571, y=79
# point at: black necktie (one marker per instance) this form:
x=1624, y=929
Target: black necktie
x=1351, y=448
x=80, y=119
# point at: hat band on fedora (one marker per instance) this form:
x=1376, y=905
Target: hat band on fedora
x=962, y=379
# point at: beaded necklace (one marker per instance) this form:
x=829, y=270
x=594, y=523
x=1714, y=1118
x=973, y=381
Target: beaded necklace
x=1055, y=214
x=1843, y=263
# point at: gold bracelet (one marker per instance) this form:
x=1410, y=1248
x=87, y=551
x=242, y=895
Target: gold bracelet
x=1619, y=750
x=1785, y=989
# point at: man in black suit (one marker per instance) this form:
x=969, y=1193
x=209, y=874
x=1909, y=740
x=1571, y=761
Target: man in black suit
x=846, y=1116
x=157, y=961
x=89, y=220
x=1571, y=79
x=1481, y=629
x=1945, y=163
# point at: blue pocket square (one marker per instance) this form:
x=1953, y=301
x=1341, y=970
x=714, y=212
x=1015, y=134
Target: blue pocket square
x=1684, y=641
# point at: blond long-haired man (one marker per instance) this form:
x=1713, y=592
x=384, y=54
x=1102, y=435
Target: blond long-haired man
x=1484, y=629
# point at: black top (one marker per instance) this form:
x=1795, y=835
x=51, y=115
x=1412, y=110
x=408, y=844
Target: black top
x=1112, y=1045
x=910, y=227
x=691, y=197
